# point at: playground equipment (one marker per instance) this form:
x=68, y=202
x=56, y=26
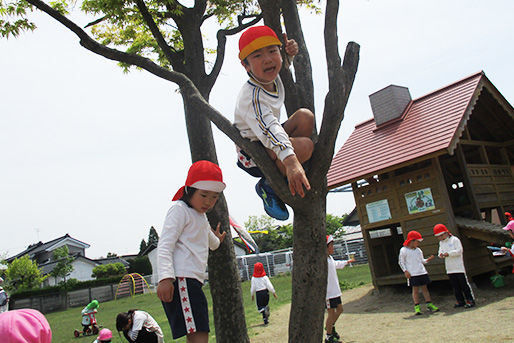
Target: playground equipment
x=130, y=285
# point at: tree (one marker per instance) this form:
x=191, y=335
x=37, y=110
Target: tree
x=142, y=246
x=111, y=254
x=23, y=274
x=141, y=265
x=146, y=28
x=64, y=266
x=153, y=237
x=334, y=223
x=104, y=271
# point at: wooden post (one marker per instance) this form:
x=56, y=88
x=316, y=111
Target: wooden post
x=467, y=183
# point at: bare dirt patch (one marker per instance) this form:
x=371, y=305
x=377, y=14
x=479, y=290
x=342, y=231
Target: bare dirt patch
x=388, y=317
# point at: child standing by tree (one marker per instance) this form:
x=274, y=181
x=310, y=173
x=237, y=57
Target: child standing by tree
x=139, y=326
x=183, y=250
x=412, y=263
x=257, y=117
x=450, y=248
x=334, y=304
x=261, y=286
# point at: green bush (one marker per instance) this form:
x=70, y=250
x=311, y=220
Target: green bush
x=108, y=270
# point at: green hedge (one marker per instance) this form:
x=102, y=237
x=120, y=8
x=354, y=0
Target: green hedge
x=71, y=285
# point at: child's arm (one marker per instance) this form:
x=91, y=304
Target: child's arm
x=403, y=264
x=269, y=286
x=458, y=249
x=296, y=176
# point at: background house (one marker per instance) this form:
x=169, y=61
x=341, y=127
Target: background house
x=445, y=157
x=42, y=254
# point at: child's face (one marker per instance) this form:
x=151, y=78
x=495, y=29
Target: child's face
x=442, y=237
x=330, y=248
x=203, y=201
x=414, y=244
x=264, y=63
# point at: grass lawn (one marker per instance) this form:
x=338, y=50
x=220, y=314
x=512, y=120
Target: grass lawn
x=63, y=323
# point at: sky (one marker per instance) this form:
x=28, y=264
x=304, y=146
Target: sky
x=88, y=150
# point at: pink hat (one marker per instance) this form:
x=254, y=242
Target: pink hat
x=439, y=229
x=509, y=226
x=203, y=175
x=412, y=236
x=104, y=335
x=330, y=239
x=24, y=326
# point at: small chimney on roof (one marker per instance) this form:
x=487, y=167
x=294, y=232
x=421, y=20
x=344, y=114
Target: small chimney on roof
x=389, y=103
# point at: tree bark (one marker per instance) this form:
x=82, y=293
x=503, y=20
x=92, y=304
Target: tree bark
x=309, y=269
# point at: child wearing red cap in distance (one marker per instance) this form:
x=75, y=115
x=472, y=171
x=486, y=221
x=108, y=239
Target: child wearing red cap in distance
x=183, y=250
x=261, y=286
x=333, y=303
x=24, y=326
x=257, y=116
x=450, y=248
x=412, y=263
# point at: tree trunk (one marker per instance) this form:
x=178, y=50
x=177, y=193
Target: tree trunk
x=309, y=269
x=224, y=281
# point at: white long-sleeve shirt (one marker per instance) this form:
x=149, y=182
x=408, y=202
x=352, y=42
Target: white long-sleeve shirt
x=184, y=243
x=454, y=263
x=142, y=319
x=412, y=260
x=261, y=283
x=257, y=116
x=333, y=289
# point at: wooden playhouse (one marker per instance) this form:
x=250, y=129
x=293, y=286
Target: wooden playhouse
x=446, y=157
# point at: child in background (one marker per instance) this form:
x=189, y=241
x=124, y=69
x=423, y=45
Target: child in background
x=104, y=336
x=139, y=326
x=4, y=298
x=510, y=228
x=24, y=326
x=88, y=315
x=450, y=249
x=261, y=286
x=412, y=263
x=183, y=250
x=333, y=303
x=257, y=117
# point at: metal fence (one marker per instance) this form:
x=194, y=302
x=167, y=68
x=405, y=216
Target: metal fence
x=281, y=261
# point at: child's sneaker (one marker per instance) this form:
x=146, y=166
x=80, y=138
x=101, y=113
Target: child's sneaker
x=273, y=205
x=334, y=332
x=469, y=304
x=432, y=308
x=459, y=305
x=332, y=339
x=417, y=310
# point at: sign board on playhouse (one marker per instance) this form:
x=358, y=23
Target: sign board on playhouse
x=378, y=210
x=420, y=201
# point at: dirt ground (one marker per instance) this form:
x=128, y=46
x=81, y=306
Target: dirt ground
x=388, y=317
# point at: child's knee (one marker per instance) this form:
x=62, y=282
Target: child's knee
x=305, y=118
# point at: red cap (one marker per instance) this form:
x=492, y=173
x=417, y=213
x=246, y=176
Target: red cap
x=203, y=175
x=439, y=229
x=255, y=38
x=508, y=216
x=412, y=236
x=258, y=270
x=330, y=238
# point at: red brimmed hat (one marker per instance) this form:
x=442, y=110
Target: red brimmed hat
x=203, y=175
x=255, y=38
x=330, y=238
x=439, y=229
x=412, y=236
x=258, y=270
x=508, y=216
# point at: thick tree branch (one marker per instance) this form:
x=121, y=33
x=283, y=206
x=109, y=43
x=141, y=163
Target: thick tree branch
x=166, y=49
x=302, y=90
x=220, y=50
x=331, y=41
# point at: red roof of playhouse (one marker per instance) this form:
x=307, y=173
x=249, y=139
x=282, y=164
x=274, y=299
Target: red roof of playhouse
x=429, y=125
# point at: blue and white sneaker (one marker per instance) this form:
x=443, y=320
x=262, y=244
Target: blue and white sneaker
x=273, y=206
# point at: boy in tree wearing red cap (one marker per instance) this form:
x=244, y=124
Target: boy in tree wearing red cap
x=257, y=117
x=450, y=248
x=412, y=263
x=183, y=250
